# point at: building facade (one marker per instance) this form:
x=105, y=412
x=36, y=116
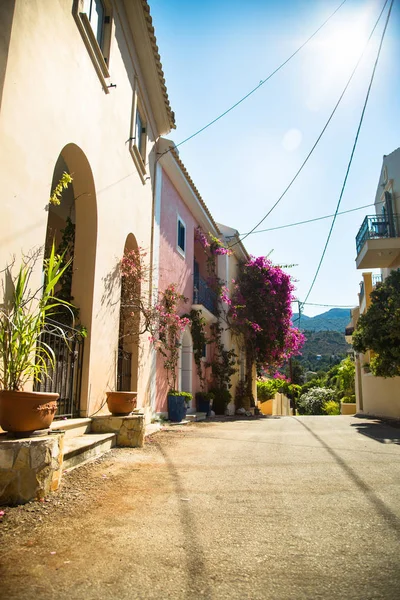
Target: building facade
x=82, y=91
x=378, y=247
x=181, y=219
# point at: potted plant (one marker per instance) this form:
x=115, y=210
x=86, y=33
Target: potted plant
x=24, y=356
x=135, y=318
x=166, y=336
x=178, y=403
x=348, y=405
x=204, y=402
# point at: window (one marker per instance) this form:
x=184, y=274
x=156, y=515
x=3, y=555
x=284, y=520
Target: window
x=96, y=14
x=93, y=18
x=140, y=134
x=181, y=243
x=138, y=137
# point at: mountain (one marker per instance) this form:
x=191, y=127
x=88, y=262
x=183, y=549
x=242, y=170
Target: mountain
x=335, y=319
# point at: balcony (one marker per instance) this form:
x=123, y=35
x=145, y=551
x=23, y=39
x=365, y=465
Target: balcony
x=377, y=242
x=204, y=297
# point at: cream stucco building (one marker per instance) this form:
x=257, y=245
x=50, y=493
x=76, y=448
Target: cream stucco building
x=82, y=91
x=378, y=247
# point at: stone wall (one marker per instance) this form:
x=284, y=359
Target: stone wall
x=130, y=430
x=29, y=467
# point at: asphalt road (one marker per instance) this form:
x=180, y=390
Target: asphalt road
x=273, y=508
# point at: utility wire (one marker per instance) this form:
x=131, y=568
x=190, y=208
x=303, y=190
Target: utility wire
x=320, y=135
x=352, y=152
x=325, y=305
x=262, y=81
x=343, y=212
x=256, y=88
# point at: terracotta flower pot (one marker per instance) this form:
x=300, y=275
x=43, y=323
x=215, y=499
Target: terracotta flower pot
x=121, y=403
x=26, y=411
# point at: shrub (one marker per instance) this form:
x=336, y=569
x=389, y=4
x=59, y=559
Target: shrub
x=267, y=389
x=331, y=408
x=348, y=399
x=186, y=395
x=222, y=397
x=312, y=402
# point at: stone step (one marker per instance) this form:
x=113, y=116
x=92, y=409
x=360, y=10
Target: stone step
x=72, y=427
x=78, y=450
x=199, y=416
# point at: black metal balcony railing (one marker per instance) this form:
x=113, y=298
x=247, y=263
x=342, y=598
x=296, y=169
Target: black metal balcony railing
x=374, y=227
x=203, y=294
x=65, y=376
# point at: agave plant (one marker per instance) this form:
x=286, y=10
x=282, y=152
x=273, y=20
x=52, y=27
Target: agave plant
x=23, y=316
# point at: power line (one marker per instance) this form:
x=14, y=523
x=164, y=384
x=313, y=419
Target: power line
x=343, y=212
x=326, y=305
x=320, y=135
x=262, y=81
x=352, y=151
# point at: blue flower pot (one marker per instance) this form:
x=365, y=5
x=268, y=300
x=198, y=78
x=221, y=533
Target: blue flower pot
x=176, y=408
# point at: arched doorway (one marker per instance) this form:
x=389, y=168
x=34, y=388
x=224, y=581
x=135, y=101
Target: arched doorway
x=129, y=320
x=186, y=361
x=73, y=226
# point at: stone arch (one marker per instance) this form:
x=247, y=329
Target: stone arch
x=78, y=204
x=128, y=333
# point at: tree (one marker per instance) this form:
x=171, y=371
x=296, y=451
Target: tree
x=260, y=313
x=379, y=328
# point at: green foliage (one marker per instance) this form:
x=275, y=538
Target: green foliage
x=186, y=395
x=267, y=389
x=330, y=346
x=312, y=402
x=349, y=399
x=223, y=365
x=22, y=320
x=331, y=408
x=64, y=182
x=379, y=328
x=222, y=398
x=291, y=390
x=346, y=376
x=197, y=327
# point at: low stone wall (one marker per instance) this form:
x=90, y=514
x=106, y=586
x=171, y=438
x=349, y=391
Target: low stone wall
x=29, y=467
x=130, y=430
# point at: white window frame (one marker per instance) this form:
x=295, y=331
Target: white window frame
x=100, y=55
x=181, y=251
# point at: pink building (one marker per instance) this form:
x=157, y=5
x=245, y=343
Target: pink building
x=181, y=259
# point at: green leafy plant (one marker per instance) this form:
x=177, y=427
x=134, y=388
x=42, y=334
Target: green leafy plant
x=23, y=317
x=313, y=401
x=379, y=328
x=186, y=395
x=222, y=398
x=348, y=399
x=62, y=185
x=331, y=408
x=197, y=328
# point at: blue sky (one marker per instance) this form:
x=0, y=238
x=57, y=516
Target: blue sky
x=213, y=53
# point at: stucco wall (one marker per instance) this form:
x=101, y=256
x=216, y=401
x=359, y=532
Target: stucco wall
x=380, y=396
x=52, y=97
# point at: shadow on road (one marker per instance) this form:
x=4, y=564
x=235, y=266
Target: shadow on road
x=379, y=432
x=380, y=507
x=195, y=559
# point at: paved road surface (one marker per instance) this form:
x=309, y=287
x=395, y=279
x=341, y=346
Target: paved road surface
x=274, y=508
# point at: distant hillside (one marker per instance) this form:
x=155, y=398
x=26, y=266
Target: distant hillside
x=322, y=350
x=335, y=319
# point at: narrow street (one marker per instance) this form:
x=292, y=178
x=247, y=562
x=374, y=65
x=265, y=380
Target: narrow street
x=273, y=508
